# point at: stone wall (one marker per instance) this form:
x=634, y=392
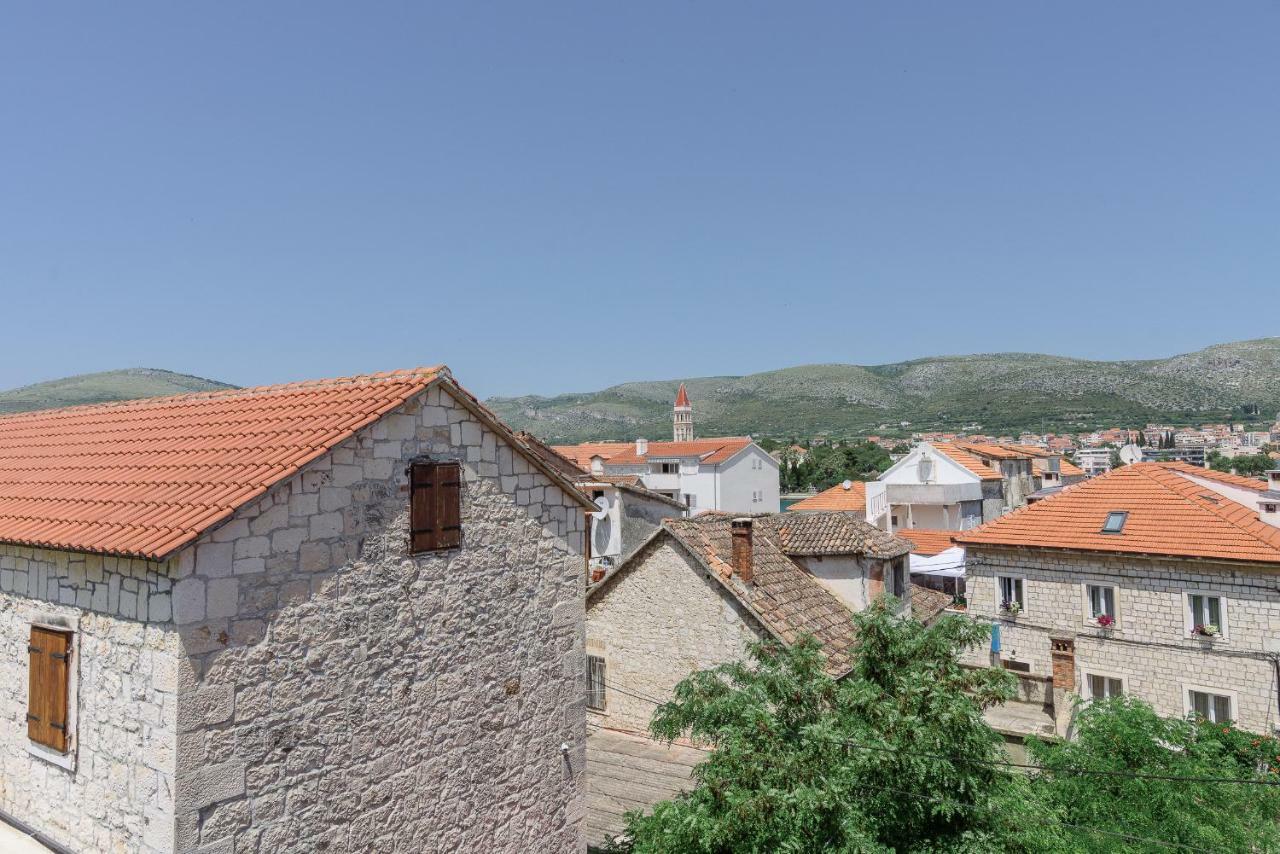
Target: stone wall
x=1149, y=648
x=640, y=518
x=655, y=623
x=338, y=694
x=112, y=790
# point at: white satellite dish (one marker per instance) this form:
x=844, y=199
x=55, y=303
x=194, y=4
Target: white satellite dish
x=1130, y=454
x=603, y=503
x=848, y=485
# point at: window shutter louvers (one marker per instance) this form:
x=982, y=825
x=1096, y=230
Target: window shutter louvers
x=435, y=506
x=49, y=654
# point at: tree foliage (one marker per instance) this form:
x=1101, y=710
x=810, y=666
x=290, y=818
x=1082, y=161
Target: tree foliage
x=896, y=756
x=880, y=760
x=1125, y=736
x=826, y=465
x=1249, y=465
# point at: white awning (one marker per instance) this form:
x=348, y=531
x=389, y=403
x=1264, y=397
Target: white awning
x=947, y=564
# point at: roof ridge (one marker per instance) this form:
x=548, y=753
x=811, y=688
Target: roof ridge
x=430, y=372
x=1254, y=527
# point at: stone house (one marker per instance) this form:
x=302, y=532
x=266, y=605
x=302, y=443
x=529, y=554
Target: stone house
x=1156, y=580
x=627, y=512
x=700, y=589
x=343, y=615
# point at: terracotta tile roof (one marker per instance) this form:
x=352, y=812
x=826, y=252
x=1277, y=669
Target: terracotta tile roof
x=682, y=396
x=928, y=542
x=927, y=603
x=1168, y=514
x=709, y=451
x=994, y=450
x=830, y=533
x=788, y=600
x=1066, y=468
x=853, y=499
x=969, y=461
x=144, y=478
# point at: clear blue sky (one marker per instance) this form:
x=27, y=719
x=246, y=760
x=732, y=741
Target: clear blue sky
x=555, y=197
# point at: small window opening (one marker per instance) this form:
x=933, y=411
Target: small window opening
x=1115, y=522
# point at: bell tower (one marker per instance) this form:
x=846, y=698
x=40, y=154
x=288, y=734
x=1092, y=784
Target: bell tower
x=682, y=417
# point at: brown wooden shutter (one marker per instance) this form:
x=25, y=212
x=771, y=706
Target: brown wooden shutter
x=435, y=506
x=49, y=654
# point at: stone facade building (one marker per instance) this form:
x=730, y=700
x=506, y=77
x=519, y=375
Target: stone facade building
x=1156, y=580
x=700, y=589
x=335, y=616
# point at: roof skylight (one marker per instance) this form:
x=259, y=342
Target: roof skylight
x=1115, y=521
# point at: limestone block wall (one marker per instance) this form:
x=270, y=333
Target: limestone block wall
x=1149, y=648
x=113, y=790
x=657, y=622
x=339, y=694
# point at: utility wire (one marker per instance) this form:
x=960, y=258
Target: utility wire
x=1094, y=772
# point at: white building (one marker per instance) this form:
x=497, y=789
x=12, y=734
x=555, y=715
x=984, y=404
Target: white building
x=1094, y=461
x=731, y=474
x=942, y=487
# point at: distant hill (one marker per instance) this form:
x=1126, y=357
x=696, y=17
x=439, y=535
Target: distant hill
x=1004, y=392
x=127, y=384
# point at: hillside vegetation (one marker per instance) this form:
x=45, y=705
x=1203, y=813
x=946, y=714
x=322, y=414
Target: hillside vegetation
x=1004, y=392
x=101, y=387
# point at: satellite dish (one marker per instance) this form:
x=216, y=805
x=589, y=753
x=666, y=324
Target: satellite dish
x=603, y=503
x=1130, y=454
x=848, y=485
x=924, y=468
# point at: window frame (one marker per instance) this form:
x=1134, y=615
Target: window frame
x=428, y=540
x=65, y=758
x=1087, y=689
x=1190, y=622
x=1021, y=582
x=1232, y=698
x=1090, y=619
x=603, y=690
x=1119, y=529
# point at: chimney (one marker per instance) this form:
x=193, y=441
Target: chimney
x=1269, y=503
x=642, y=447
x=597, y=465
x=742, y=549
x=1273, y=480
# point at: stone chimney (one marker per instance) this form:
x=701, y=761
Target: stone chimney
x=642, y=447
x=742, y=550
x=597, y=465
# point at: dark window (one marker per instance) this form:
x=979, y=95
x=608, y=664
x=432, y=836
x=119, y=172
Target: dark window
x=595, y=682
x=435, y=506
x=1115, y=522
x=48, y=653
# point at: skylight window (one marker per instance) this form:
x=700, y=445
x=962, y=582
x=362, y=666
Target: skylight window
x=1115, y=521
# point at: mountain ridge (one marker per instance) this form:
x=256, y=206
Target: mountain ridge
x=1003, y=392
x=103, y=387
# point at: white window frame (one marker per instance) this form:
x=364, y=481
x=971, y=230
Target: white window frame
x=1089, y=619
x=1022, y=590
x=1232, y=697
x=1087, y=692
x=1224, y=606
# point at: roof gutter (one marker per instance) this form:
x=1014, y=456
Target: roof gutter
x=22, y=827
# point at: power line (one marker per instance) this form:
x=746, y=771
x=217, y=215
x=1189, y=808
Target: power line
x=1095, y=772
x=1126, y=836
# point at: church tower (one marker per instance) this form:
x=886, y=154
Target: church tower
x=683, y=417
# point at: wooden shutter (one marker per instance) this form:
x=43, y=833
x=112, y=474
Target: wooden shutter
x=49, y=654
x=435, y=506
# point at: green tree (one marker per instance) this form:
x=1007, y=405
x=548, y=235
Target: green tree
x=1124, y=736
x=895, y=756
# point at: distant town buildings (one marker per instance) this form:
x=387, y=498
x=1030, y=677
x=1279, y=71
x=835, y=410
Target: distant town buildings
x=731, y=474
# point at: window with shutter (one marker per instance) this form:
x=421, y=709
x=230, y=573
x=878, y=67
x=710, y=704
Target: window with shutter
x=435, y=506
x=49, y=657
x=595, y=683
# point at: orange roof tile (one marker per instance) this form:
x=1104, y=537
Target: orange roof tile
x=995, y=450
x=1168, y=514
x=624, y=453
x=1066, y=468
x=968, y=460
x=928, y=542
x=682, y=396
x=143, y=478
x=853, y=499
